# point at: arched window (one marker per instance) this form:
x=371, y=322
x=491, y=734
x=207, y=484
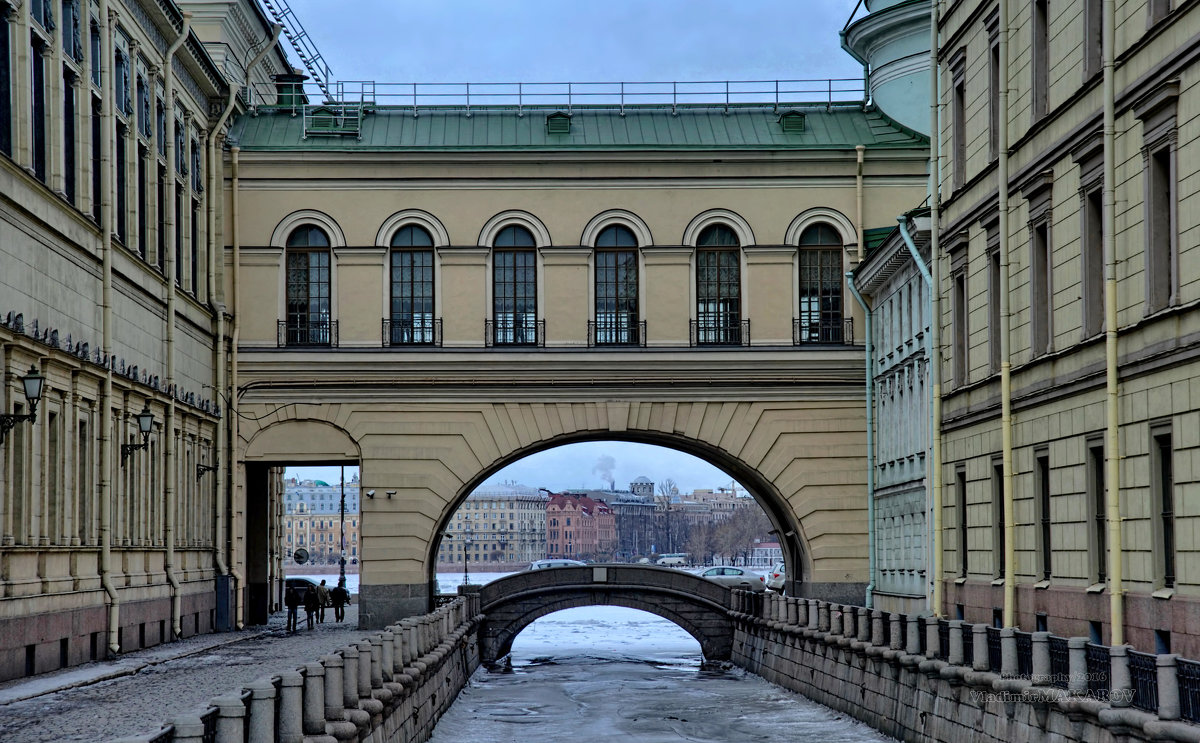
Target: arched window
x=820, y=284
x=616, y=288
x=411, y=320
x=308, y=321
x=718, y=288
x=514, y=288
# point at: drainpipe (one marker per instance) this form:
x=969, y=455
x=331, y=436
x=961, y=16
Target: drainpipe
x=1006, y=435
x=108, y=131
x=1112, y=461
x=234, y=433
x=858, y=193
x=934, y=282
x=172, y=271
x=219, y=308
x=935, y=428
x=870, y=434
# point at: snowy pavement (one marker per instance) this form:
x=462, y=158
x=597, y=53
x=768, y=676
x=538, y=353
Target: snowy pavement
x=143, y=690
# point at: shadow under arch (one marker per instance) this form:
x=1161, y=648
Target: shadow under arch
x=784, y=523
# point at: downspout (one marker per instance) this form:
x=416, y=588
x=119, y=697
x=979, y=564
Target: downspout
x=172, y=272
x=871, y=565
x=1006, y=435
x=1112, y=460
x=108, y=129
x=934, y=282
x=235, y=432
x=935, y=379
x=219, y=308
x=858, y=194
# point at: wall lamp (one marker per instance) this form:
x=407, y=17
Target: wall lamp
x=390, y=493
x=145, y=421
x=33, y=382
x=370, y=494
x=202, y=468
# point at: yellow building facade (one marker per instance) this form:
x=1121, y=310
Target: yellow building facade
x=1045, y=209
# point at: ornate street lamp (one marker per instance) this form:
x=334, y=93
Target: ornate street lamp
x=145, y=422
x=466, y=557
x=33, y=382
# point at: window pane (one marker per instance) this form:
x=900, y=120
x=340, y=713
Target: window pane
x=718, y=296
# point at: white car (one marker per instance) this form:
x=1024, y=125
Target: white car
x=746, y=580
x=557, y=563
x=777, y=576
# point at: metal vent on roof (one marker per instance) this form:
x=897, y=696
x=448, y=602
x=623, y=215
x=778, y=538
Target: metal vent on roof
x=558, y=123
x=791, y=121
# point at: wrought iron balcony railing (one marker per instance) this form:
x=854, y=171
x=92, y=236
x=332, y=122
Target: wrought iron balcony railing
x=519, y=331
x=412, y=331
x=719, y=332
x=835, y=331
x=616, y=333
x=309, y=334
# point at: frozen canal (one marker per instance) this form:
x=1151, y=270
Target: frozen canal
x=608, y=673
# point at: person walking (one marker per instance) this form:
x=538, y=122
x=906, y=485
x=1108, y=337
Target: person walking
x=291, y=599
x=339, y=597
x=322, y=601
x=310, y=605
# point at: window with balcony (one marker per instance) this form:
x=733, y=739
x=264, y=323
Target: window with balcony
x=514, y=289
x=616, y=322
x=308, y=321
x=411, y=321
x=1040, y=59
x=821, y=277
x=718, y=289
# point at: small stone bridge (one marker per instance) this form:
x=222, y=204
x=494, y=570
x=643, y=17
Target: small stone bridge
x=699, y=606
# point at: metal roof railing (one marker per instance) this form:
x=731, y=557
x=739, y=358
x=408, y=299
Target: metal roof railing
x=566, y=96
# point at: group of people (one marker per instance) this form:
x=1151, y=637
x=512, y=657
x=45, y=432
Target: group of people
x=315, y=599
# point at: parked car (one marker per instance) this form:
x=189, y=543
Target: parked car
x=747, y=580
x=777, y=576
x=555, y=563
x=301, y=584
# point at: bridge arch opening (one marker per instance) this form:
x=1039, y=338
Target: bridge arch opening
x=604, y=631
x=657, y=510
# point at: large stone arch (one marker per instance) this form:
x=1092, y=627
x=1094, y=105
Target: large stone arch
x=798, y=447
x=699, y=607
x=790, y=531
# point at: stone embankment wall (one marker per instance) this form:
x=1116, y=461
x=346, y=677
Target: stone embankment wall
x=391, y=687
x=925, y=680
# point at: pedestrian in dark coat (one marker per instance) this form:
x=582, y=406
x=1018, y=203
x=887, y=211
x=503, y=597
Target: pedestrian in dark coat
x=311, y=603
x=291, y=599
x=340, y=597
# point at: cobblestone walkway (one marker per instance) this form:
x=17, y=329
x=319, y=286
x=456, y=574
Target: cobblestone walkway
x=143, y=690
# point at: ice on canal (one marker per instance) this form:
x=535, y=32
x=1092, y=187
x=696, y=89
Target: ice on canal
x=607, y=673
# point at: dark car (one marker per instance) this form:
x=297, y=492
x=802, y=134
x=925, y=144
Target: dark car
x=301, y=584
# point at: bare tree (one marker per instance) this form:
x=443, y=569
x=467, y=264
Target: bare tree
x=668, y=487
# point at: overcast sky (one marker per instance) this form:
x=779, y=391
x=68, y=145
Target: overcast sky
x=590, y=465
x=477, y=41
x=427, y=41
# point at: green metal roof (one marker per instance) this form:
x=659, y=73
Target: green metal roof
x=747, y=127
x=873, y=237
